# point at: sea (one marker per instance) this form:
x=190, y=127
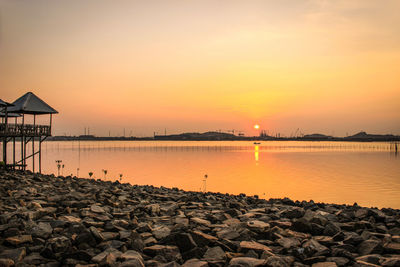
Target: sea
x=365, y=173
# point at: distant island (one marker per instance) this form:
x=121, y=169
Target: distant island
x=221, y=136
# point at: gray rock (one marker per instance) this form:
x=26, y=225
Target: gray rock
x=331, y=229
x=302, y=225
x=16, y=255
x=42, y=230
x=103, y=255
x=313, y=248
x=6, y=262
x=161, y=232
x=215, y=253
x=276, y=261
x=370, y=247
x=392, y=247
x=133, y=258
x=340, y=261
x=170, y=253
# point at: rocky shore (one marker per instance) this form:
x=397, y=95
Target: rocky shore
x=65, y=221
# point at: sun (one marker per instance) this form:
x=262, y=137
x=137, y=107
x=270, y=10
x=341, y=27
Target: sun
x=256, y=126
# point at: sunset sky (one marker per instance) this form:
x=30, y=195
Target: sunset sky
x=330, y=67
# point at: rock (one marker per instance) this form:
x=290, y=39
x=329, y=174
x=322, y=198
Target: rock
x=161, y=232
x=16, y=255
x=228, y=233
x=247, y=245
x=97, y=209
x=195, y=263
x=153, y=209
x=101, y=257
x=364, y=264
x=331, y=229
x=132, y=258
x=258, y=226
x=251, y=254
x=373, y=258
x=202, y=239
x=246, y=262
x=391, y=262
x=276, y=261
x=302, y=225
x=17, y=240
x=98, y=236
x=392, y=247
x=361, y=213
x=185, y=242
x=201, y=221
x=352, y=238
x=85, y=237
x=42, y=230
x=293, y=213
x=340, y=261
x=313, y=248
x=288, y=242
x=132, y=263
x=34, y=259
x=109, y=260
x=70, y=219
x=59, y=244
x=170, y=264
x=315, y=259
x=143, y=227
x=170, y=253
x=324, y=264
x=214, y=253
x=370, y=247
x=6, y=262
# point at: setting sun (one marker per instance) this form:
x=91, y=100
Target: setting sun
x=256, y=126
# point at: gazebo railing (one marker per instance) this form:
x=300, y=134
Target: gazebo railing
x=18, y=130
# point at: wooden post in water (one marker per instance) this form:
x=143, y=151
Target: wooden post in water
x=5, y=136
x=23, y=142
x=50, y=122
x=40, y=154
x=33, y=143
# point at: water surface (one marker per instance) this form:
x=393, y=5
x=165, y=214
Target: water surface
x=334, y=172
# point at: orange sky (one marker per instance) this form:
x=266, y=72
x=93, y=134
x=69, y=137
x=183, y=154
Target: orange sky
x=331, y=67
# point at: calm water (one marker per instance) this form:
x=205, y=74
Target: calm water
x=334, y=172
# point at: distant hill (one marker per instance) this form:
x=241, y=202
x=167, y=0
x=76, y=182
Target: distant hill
x=317, y=136
x=198, y=136
x=363, y=136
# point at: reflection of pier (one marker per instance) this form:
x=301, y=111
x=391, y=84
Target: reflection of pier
x=28, y=104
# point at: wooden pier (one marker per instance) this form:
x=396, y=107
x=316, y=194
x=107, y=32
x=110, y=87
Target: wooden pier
x=27, y=134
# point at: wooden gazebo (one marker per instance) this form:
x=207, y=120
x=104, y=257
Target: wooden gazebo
x=28, y=104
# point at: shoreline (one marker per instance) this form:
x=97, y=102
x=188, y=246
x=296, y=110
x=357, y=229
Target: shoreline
x=250, y=139
x=70, y=221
